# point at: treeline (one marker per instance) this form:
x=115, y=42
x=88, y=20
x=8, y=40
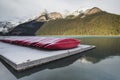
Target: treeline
x=101, y=23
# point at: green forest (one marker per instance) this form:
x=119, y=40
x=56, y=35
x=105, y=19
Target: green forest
x=101, y=23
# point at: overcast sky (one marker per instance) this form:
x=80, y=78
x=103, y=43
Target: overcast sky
x=22, y=9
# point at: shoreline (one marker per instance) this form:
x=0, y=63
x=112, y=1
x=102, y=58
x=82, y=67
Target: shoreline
x=83, y=36
x=73, y=36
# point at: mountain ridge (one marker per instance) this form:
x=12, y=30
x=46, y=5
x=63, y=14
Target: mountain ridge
x=90, y=22
x=98, y=23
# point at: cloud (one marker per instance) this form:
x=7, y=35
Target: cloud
x=22, y=9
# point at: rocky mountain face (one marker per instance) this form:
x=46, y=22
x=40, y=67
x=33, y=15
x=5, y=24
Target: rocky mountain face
x=49, y=16
x=92, y=11
x=27, y=28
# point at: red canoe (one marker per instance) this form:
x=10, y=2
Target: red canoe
x=46, y=42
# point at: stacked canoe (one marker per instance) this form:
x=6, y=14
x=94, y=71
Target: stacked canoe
x=44, y=42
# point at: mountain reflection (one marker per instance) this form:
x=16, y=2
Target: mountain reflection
x=105, y=47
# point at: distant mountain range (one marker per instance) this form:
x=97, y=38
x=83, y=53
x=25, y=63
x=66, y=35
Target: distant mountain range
x=93, y=21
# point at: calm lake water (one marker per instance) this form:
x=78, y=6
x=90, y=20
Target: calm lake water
x=101, y=63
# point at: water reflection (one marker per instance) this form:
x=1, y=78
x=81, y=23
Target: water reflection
x=105, y=48
x=52, y=65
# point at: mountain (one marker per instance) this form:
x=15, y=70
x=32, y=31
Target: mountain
x=75, y=13
x=93, y=21
x=92, y=11
x=30, y=27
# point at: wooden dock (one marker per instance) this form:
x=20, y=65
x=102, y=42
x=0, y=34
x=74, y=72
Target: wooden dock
x=21, y=58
